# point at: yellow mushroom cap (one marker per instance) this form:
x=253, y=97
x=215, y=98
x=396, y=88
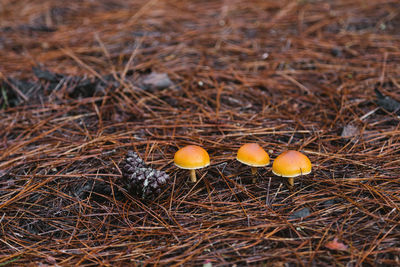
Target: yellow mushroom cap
x=291, y=163
x=191, y=157
x=252, y=154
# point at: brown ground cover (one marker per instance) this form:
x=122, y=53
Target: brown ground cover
x=76, y=96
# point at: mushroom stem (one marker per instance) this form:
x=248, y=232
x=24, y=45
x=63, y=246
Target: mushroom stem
x=193, y=176
x=291, y=181
x=254, y=173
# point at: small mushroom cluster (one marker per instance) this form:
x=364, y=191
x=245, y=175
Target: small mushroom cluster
x=289, y=164
x=145, y=181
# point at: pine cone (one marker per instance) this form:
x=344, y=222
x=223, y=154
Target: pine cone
x=140, y=179
x=146, y=182
x=133, y=160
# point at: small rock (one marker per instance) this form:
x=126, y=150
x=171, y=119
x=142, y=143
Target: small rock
x=336, y=52
x=349, y=131
x=157, y=81
x=299, y=214
x=387, y=103
x=46, y=74
x=328, y=203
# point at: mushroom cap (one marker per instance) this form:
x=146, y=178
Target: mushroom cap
x=252, y=154
x=191, y=157
x=291, y=163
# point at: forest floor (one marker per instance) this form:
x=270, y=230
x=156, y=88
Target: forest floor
x=83, y=83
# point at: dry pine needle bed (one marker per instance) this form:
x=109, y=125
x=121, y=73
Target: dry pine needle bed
x=84, y=83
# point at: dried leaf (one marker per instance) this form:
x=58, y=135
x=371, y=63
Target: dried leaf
x=336, y=245
x=51, y=260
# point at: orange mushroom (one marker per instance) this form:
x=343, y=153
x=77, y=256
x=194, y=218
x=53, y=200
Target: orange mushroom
x=290, y=164
x=191, y=158
x=253, y=155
